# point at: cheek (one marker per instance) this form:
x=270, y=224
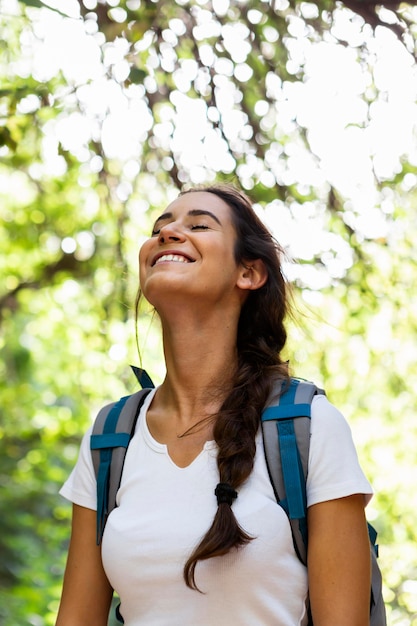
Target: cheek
x=143, y=258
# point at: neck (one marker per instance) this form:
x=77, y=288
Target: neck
x=201, y=359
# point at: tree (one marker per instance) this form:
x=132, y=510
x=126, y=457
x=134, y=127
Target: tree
x=97, y=136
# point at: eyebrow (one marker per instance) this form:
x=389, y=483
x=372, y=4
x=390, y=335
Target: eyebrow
x=192, y=213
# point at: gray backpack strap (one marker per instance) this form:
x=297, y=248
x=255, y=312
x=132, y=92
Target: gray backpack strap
x=378, y=615
x=286, y=435
x=112, y=431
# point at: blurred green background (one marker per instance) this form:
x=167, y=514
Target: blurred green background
x=106, y=110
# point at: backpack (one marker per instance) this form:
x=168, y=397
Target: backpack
x=285, y=425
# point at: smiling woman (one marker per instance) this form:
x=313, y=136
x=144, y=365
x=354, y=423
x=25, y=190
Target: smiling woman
x=195, y=483
x=204, y=237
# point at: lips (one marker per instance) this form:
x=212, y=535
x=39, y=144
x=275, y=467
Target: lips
x=172, y=257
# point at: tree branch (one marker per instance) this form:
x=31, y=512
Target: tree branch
x=67, y=263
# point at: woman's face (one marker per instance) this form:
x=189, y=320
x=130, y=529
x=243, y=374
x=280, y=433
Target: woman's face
x=191, y=253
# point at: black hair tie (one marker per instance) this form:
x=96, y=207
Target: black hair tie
x=225, y=494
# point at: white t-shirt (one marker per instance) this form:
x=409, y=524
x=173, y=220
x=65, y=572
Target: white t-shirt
x=164, y=510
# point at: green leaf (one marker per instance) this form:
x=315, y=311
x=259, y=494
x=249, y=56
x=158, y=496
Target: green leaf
x=137, y=75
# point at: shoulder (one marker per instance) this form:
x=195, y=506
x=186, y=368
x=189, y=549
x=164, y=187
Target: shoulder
x=324, y=415
x=334, y=469
x=80, y=487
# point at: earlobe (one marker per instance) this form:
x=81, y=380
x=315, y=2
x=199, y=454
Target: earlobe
x=253, y=275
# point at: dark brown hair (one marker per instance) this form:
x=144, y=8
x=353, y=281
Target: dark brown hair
x=260, y=340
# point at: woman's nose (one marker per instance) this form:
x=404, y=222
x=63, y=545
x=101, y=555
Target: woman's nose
x=170, y=232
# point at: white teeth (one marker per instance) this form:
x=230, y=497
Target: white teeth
x=176, y=258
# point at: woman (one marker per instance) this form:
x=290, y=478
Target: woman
x=174, y=555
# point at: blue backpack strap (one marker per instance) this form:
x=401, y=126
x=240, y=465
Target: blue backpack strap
x=286, y=433
x=112, y=431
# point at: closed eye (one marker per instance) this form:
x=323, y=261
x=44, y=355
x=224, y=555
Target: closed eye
x=168, y=216
x=156, y=231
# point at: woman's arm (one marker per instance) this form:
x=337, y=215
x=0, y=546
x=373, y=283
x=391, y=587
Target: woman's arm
x=87, y=594
x=339, y=564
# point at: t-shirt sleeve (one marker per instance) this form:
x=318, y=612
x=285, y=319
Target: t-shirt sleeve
x=334, y=469
x=80, y=487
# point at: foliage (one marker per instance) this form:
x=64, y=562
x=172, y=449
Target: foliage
x=95, y=138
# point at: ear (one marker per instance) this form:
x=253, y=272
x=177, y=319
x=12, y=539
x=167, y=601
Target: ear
x=253, y=275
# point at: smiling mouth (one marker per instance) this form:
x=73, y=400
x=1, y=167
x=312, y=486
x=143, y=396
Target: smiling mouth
x=172, y=258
